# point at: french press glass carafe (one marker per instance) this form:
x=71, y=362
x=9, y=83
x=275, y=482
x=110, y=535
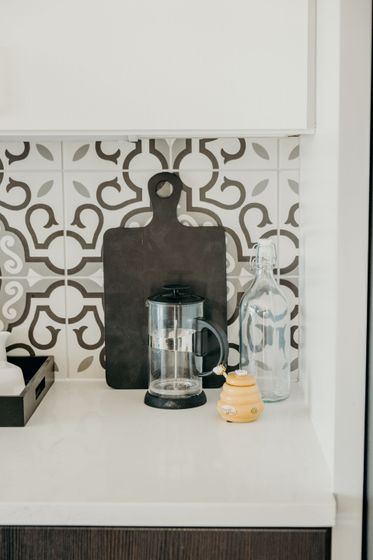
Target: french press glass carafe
x=176, y=348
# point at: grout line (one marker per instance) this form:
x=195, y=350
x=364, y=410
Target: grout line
x=15, y=277
x=170, y=144
x=68, y=277
x=278, y=209
x=64, y=212
x=63, y=209
x=9, y=170
x=236, y=277
x=152, y=170
x=82, y=276
x=67, y=365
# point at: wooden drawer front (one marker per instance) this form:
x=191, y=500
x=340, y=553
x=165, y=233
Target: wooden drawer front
x=118, y=543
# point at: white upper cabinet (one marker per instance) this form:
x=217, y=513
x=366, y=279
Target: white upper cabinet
x=156, y=67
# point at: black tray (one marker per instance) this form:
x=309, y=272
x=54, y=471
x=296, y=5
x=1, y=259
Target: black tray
x=38, y=373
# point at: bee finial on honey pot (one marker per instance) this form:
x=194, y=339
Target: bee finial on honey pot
x=220, y=370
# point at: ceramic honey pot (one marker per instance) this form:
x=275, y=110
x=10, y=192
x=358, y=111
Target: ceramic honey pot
x=240, y=399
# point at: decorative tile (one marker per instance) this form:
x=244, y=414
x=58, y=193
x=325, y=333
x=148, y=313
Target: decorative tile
x=33, y=310
x=289, y=222
x=85, y=335
x=94, y=203
x=236, y=288
x=140, y=155
x=31, y=224
x=30, y=156
x=289, y=152
x=233, y=340
x=234, y=295
x=224, y=153
x=290, y=287
x=244, y=202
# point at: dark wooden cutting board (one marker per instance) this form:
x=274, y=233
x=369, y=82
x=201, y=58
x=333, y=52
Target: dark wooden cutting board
x=138, y=262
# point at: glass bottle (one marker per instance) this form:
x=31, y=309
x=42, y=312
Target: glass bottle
x=265, y=328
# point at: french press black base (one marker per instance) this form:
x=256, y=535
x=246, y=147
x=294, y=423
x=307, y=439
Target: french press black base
x=175, y=404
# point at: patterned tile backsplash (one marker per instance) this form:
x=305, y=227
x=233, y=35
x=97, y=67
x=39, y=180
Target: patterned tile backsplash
x=58, y=198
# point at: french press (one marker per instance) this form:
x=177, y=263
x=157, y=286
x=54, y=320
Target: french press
x=177, y=344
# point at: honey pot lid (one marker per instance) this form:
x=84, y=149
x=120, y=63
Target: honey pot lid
x=240, y=378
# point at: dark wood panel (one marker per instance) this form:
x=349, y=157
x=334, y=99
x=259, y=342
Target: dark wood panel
x=114, y=543
x=138, y=262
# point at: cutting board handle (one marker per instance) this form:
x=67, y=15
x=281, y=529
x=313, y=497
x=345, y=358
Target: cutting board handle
x=164, y=208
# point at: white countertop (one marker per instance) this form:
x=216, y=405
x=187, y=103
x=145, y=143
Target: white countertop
x=91, y=455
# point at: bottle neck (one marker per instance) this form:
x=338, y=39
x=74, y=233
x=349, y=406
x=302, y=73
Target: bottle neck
x=265, y=259
x=264, y=270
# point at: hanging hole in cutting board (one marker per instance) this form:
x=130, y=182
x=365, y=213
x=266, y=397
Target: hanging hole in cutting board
x=164, y=190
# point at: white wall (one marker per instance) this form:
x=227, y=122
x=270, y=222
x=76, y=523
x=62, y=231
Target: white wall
x=319, y=193
x=335, y=189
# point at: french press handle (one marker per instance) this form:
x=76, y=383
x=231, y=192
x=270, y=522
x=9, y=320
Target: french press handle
x=200, y=325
